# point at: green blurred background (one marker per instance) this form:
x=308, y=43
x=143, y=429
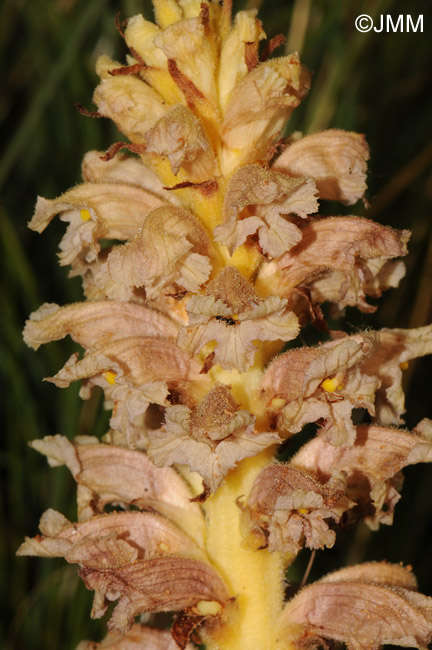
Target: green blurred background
x=375, y=83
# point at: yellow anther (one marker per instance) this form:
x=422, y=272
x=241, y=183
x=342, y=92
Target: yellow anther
x=85, y=214
x=277, y=403
x=208, y=607
x=403, y=365
x=110, y=377
x=331, y=384
x=164, y=547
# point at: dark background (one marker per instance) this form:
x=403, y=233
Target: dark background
x=378, y=84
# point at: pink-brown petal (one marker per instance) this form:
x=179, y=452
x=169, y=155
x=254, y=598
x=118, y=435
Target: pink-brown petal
x=139, y=637
x=361, y=614
x=95, y=323
x=107, y=474
x=335, y=159
x=112, y=540
x=157, y=585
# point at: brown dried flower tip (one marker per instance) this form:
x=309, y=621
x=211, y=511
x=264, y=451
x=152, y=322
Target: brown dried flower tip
x=288, y=508
x=210, y=439
x=232, y=315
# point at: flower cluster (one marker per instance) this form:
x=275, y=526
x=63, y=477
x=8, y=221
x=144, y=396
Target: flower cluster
x=201, y=254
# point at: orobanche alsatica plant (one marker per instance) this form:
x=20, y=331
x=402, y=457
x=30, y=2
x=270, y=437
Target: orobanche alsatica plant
x=201, y=254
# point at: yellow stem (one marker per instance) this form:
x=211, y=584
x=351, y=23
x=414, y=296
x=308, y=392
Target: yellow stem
x=254, y=578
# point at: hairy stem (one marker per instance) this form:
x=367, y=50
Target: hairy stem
x=255, y=578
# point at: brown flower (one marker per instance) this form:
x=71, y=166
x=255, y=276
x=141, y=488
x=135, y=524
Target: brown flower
x=210, y=439
x=342, y=260
x=138, y=637
x=323, y=383
x=372, y=466
x=335, y=159
x=267, y=195
x=233, y=315
x=288, y=508
x=181, y=261
x=107, y=474
x=364, y=606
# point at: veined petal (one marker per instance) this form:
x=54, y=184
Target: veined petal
x=159, y=585
x=335, y=254
x=138, y=637
x=109, y=474
x=269, y=320
x=137, y=359
x=174, y=234
x=95, y=324
x=396, y=348
x=360, y=614
x=305, y=379
x=210, y=440
x=335, y=159
x=372, y=465
x=112, y=540
x=126, y=169
x=179, y=136
x=118, y=209
x=288, y=508
x=131, y=104
x=130, y=405
x=380, y=573
x=259, y=107
x=268, y=195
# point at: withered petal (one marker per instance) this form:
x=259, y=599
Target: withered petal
x=259, y=107
x=139, y=637
x=396, y=348
x=180, y=136
x=181, y=244
x=117, y=208
x=335, y=159
x=116, y=475
x=212, y=459
x=95, y=323
x=123, y=168
x=360, y=614
x=158, y=585
x=112, y=540
x=288, y=508
x=137, y=359
x=343, y=249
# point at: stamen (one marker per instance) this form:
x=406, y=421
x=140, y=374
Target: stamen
x=331, y=384
x=110, y=377
x=85, y=214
